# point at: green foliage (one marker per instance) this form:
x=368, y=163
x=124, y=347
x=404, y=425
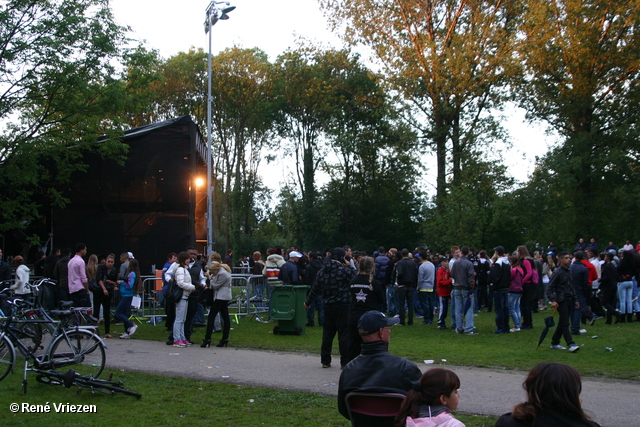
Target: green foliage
x=59, y=93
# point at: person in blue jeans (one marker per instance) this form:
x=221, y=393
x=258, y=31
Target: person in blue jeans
x=131, y=284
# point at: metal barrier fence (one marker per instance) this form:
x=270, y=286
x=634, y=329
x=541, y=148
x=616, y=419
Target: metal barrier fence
x=250, y=297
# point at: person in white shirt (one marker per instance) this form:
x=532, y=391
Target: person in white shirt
x=21, y=283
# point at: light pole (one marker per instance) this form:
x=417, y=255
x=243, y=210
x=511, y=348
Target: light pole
x=217, y=10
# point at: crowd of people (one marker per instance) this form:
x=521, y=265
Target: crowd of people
x=359, y=297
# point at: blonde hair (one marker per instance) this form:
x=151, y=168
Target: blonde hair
x=92, y=267
x=215, y=256
x=215, y=266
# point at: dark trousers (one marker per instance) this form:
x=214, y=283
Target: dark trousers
x=170, y=311
x=405, y=294
x=484, y=300
x=501, y=306
x=192, y=309
x=355, y=341
x=80, y=298
x=104, y=301
x=336, y=321
x=608, y=298
x=526, y=303
x=316, y=304
x=222, y=307
x=443, y=310
x=564, y=311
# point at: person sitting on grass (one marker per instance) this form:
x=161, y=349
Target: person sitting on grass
x=430, y=404
x=553, y=399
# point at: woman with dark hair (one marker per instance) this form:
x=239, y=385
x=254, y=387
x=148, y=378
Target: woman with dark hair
x=366, y=294
x=183, y=280
x=609, y=288
x=431, y=403
x=131, y=285
x=106, y=277
x=529, y=286
x=553, y=399
x=626, y=271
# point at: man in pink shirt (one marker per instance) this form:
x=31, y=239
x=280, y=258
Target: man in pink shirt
x=78, y=287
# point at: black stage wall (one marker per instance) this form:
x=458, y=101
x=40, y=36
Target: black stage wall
x=149, y=206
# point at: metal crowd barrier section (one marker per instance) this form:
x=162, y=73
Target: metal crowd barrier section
x=250, y=294
x=151, y=297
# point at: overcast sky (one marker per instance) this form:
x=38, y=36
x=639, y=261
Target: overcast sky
x=175, y=26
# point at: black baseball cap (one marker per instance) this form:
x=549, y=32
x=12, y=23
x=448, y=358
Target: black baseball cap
x=372, y=321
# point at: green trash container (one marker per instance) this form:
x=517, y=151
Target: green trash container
x=287, y=307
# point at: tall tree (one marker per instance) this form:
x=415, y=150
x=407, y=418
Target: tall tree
x=305, y=90
x=58, y=91
x=242, y=125
x=449, y=59
x=583, y=62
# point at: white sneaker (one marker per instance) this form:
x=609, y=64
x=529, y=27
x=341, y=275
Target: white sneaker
x=132, y=329
x=514, y=329
x=558, y=347
x=583, y=331
x=124, y=336
x=573, y=348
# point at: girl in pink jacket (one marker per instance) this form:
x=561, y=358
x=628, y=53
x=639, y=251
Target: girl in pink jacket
x=431, y=403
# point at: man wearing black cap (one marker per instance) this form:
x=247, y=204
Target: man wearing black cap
x=332, y=282
x=376, y=370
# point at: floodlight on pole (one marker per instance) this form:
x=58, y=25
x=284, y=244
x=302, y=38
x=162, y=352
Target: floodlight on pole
x=217, y=10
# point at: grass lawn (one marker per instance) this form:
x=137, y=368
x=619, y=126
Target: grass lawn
x=169, y=401
x=177, y=401
x=487, y=350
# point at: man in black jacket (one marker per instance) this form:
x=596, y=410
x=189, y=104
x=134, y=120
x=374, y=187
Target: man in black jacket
x=407, y=274
x=563, y=298
x=580, y=281
x=376, y=370
x=500, y=277
x=332, y=282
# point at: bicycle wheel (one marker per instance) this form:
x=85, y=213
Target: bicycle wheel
x=7, y=357
x=80, y=349
x=30, y=334
x=101, y=386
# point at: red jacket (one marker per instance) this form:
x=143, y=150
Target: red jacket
x=593, y=274
x=443, y=282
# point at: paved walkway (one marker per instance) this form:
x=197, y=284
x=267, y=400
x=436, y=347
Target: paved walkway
x=612, y=403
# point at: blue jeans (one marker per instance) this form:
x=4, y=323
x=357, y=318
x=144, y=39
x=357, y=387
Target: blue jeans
x=123, y=311
x=625, y=292
x=501, y=306
x=634, y=294
x=316, y=304
x=178, y=324
x=427, y=301
x=576, y=315
x=392, y=301
x=514, y=308
x=462, y=297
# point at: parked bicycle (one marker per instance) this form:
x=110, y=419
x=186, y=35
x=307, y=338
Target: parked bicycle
x=76, y=346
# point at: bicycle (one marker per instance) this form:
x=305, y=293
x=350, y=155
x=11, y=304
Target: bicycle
x=71, y=378
x=68, y=346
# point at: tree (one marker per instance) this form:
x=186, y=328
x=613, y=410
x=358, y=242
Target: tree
x=582, y=60
x=450, y=59
x=58, y=92
x=242, y=125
